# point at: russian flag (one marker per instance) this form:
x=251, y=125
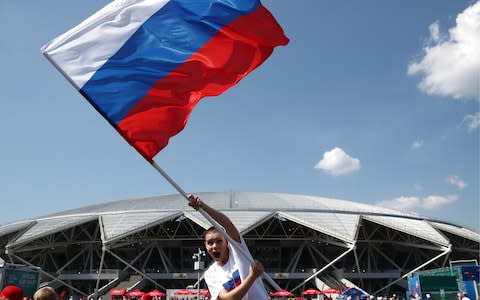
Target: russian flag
x=233, y=282
x=145, y=64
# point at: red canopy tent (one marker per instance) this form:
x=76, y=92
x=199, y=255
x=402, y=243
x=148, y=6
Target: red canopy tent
x=184, y=292
x=311, y=292
x=118, y=292
x=331, y=291
x=156, y=293
x=135, y=293
x=281, y=293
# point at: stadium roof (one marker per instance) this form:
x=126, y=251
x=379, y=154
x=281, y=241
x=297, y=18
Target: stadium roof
x=337, y=218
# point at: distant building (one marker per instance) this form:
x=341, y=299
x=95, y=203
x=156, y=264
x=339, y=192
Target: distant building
x=148, y=243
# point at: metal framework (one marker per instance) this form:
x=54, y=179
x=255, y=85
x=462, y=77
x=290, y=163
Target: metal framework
x=81, y=259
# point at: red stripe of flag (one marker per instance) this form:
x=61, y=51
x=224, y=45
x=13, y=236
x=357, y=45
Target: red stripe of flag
x=223, y=61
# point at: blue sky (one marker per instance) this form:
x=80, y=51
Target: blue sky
x=372, y=101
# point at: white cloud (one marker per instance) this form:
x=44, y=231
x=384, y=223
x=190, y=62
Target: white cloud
x=434, y=31
x=417, y=145
x=412, y=203
x=431, y=202
x=472, y=121
x=337, y=162
x=401, y=203
x=456, y=181
x=451, y=66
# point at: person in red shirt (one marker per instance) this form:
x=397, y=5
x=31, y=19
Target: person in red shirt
x=11, y=292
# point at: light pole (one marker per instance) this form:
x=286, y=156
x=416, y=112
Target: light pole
x=198, y=264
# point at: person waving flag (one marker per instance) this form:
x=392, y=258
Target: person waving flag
x=145, y=64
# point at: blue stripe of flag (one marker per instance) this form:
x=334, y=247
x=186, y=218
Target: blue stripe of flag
x=162, y=43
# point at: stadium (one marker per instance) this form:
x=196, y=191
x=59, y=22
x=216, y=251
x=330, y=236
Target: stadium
x=301, y=240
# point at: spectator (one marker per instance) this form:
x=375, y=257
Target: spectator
x=11, y=292
x=45, y=293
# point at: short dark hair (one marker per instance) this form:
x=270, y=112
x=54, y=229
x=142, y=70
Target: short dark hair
x=211, y=229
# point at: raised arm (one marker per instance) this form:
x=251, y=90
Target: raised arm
x=222, y=219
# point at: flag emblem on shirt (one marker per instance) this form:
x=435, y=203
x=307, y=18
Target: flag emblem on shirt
x=233, y=282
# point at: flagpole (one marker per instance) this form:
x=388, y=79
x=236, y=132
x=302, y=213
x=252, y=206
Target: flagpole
x=214, y=223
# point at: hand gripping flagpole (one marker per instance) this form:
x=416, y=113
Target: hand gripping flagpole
x=215, y=224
